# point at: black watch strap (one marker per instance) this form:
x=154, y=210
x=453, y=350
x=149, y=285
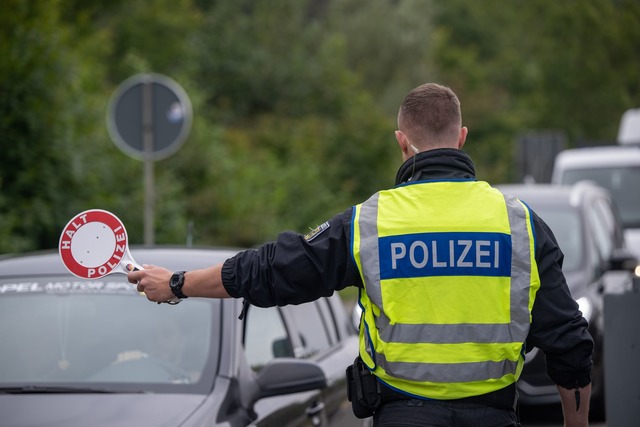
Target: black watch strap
x=176, y=282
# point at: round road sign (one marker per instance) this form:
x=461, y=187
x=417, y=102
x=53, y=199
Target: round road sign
x=149, y=116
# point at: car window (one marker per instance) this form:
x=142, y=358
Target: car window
x=265, y=336
x=601, y=230
x=327, y=313
x=312, y=328
x=604, y=211
x=90, y=334
x=622, y=182
x=566, y=225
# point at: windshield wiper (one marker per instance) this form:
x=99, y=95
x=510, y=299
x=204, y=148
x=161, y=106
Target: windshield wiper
x=35, y=389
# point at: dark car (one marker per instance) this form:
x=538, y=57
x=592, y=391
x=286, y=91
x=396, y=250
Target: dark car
x=588, y=230
x=81, y=352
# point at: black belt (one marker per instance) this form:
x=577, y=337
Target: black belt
x=503, y=399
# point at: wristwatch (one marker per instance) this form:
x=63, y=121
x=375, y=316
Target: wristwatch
x=176, y=282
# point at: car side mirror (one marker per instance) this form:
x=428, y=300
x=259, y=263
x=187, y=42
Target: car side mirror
x=623, y=260
x=287, y=375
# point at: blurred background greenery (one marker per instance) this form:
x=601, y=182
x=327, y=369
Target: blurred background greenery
x=294, y=102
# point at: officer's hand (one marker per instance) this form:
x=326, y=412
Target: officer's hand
x=153, y=281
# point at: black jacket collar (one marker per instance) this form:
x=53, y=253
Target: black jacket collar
x=439, y=163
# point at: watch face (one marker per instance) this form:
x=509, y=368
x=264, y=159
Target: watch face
x=175, y=279
x=176, y=282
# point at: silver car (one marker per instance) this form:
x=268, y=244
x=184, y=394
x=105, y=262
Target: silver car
x=95, y=352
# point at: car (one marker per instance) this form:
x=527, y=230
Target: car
x=616, y=168
x=585, y=222
x=79, y=352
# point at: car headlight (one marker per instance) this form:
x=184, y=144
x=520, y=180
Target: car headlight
x=585, y=307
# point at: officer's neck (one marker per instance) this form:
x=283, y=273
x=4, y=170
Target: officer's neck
x=438, y=163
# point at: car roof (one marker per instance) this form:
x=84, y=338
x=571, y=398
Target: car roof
x=551, y=194
x=594, y=157
x=173, y=258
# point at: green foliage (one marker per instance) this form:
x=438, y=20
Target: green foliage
x=43, y=109
x=288, y=109
x=294, y=101
x=538, y=65
x=388, y=45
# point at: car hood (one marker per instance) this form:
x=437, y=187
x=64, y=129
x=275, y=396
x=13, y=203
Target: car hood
x=97, y=410
x=632, y=236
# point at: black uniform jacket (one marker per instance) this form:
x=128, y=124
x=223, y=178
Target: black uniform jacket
x=297, y=268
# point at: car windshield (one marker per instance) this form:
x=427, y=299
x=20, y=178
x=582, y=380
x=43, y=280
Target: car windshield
x=622, y=182
x=566, y=223
x=76, y=332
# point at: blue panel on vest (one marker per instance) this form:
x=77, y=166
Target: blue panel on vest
x=445, y=254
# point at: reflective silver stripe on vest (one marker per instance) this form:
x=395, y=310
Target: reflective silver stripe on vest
x=447, y=372
x=520, y=269
x=369, y=252
x=515, y=331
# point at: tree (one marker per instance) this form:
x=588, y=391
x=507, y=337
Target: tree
x=43, y=113
x=292, y=117
x=537, y=65
x=294, y=101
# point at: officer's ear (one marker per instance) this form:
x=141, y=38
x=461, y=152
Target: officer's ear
x=462, y=138
x=404, y=144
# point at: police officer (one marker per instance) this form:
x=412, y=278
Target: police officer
x=456, y=280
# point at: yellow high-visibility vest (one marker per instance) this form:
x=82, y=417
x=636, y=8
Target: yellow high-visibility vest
x=450, y=278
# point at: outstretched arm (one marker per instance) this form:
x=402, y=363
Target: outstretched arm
x=293, y=269
x=154, y=282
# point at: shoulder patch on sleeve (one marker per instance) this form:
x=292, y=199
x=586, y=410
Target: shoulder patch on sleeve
x=316, y=231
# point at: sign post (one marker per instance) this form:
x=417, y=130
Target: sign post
x=148, y=118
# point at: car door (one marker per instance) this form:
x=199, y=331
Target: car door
x=267, y=336
x=318, y=336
